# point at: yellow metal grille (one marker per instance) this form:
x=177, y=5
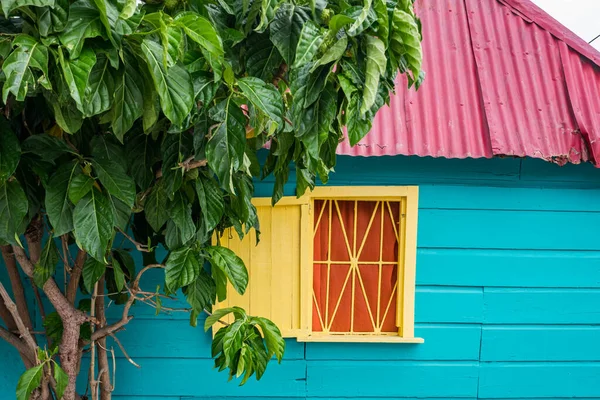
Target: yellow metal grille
x=355, y=263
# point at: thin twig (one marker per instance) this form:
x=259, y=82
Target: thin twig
x=118, y=342
x=92, y=377
x=139, y=246
x=125, y=317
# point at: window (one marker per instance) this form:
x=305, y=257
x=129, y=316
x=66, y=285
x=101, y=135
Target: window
x=337, y=264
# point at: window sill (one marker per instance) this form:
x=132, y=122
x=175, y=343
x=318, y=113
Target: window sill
x=359, y=339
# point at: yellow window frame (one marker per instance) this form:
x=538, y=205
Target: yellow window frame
x=407, y=249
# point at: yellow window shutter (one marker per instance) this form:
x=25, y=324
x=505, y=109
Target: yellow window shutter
x=276, y=288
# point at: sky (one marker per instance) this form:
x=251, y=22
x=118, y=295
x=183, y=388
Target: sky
x=580, y=16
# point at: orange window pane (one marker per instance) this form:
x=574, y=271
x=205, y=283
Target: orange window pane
x=355, y=266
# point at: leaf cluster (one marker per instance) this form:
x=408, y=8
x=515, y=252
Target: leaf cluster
x=148, y=118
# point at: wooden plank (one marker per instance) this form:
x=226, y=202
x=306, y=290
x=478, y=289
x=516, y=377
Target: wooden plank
x=391, y=379
x=541, y=306
x=178, y=340
x=191, y=377
x=448, y=305
x=534, y=170
x=551, y=380
x=540, y=343
x=508, y=268
x=11, y=368
x=508, y=198
x=497, y=229
x=442, y=342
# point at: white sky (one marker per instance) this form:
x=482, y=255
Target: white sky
x=580, y=16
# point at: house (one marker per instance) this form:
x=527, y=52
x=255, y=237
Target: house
x=486, y=283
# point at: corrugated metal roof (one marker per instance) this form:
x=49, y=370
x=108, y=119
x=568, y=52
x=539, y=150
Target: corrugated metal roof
x=502, y=79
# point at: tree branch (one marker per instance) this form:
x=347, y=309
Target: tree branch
x=17, y=287
x=125, y=317
x=76, y=271
x=14, y=341
x=63, y=307
x=13, y=309
x=104, y=377
x=139, y=246
x=118, y=342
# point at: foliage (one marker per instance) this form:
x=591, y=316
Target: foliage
x=147, y=118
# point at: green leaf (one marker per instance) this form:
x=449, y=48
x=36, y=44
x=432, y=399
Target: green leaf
x=108, y=16
x=308, y=44
x=114, y=178
x=155, y=208
x=180, y=212
x=62, y=380
x=175, y=148
x=383, y=21
x=201, y=31
x=317, y=121
x=105, y=147
x=264, y=96
x=210, y=198
x=225, y=149
x=141, y=159
x=200, y=294
x=232, y=340
x=376, y=64
x=80, y=186
x=357, y=27
x=128, y=100
x=45, y=267
x=77, y=73
x=333, y=53
x=100, y=88
x=92, y=272
x=93, y=219
x=263, y=58
x=233, y=266
x=21, y=65
x=13, y=209
x=182, y=268
x=121, y=211
x=405, y=42
x=67, y=116
x=218, y=314
x=357, y=126
x=53, y=19
x=83, y=23
x=338, y=21
x=9, y=5
x=58, y=207
x=286, y=28
x=272, y=335
x=128, y=9
x=47, y=147
x=29, y=381
x=10, y=151
x=174, y=86
x=119, y=275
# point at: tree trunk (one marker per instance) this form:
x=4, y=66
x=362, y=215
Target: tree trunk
x=69, y=355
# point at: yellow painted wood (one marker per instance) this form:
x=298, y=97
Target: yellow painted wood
x=410, y=262
x=376, y=338
x=281, y=266
x=274, y=266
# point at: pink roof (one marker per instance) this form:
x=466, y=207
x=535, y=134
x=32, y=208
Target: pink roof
x=502, y=79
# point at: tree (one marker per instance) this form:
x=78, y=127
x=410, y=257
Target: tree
x=134, y=128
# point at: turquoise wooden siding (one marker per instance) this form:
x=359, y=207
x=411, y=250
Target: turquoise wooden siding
x=507, y=299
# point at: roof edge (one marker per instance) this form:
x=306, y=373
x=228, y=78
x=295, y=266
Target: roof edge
x=555, y=28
